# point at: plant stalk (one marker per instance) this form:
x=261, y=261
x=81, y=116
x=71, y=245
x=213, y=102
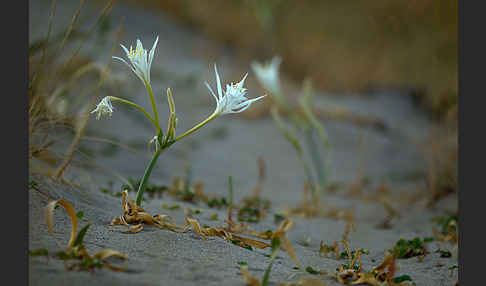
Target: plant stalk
x=193, y=129
x=114, y=98
x=146, y=175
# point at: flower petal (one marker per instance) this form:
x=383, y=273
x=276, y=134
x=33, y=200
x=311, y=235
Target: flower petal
x=151, y=56
x=211, y=90
x=218, y=83
x=125, y=49
x=242, y=81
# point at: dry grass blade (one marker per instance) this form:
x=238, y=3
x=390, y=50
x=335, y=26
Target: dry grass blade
x=280, y=233
x=244, y=228
x=71, y=26
x=136, y=214
x=248, y=278
x=382, y=274
x=196, y=227
x=133, y=213
x=84, y=120
x=49, y=29
x=72, y=214
x=306, y=282
x=236, y=239
x=76, y=249
x=261, y=177
x=252, y=242
x=113, y=268
x=106, y=253
x=135, y=228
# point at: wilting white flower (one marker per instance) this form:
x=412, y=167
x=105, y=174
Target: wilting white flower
x=103, y=108
x=267, y=74
x=140, y=60
x=233, y=99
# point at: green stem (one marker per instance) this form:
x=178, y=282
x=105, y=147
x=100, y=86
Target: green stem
x=146, y=175
x=275, y=248
x=230, y=187
x=114, y=98
x=316, y=158
x=193, y=129
x=154, y=107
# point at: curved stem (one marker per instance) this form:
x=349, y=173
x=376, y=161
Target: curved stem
x=146, y=175
x=193, y=129
x=114, y=98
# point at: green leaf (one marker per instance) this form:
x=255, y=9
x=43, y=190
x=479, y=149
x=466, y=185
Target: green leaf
x=275, y=244
x=33, y=184
x=311, y=270
x=80, y=214
x=235, y=241
x=81, y=234
x=275, y=248
x=39, y=252
x=63, y=255
x=402, y=278
x=242, y=263
x=278, y=218
x=173, y=207
x=444, y=253
x=230, y=190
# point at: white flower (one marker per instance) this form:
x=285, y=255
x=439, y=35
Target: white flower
x=140, y=64
x=103, y=108
x=267, y=74
x=233, y=100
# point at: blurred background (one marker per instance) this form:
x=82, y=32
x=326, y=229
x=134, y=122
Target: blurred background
x=366, y=123
x=358, y=54
x=342, y=45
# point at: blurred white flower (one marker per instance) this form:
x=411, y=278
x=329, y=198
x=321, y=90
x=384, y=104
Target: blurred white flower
x=267, y=74
x=140, y=64
x=103, y=108
x=233, y=100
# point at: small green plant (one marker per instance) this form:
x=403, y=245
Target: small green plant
x=311, y=270
x=444, y=253
x=275, y=248
x=446, y=223
x=217, y=202
x=344, y=254
x=232, y=100
x=172, y=207
x=39, y=252
x=80, y=214
x=410, y=248
x=401, y=278
x=33, y=184
x=447, y=228
x=278, y=218
x=253, y=209
x=75, y=256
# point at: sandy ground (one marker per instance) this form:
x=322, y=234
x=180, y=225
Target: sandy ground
x=230, y=145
